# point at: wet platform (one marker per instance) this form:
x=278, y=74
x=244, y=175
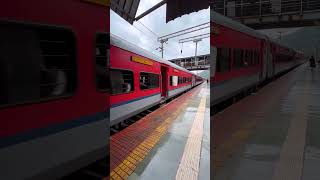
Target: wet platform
x=273, y=134
x=172, y=142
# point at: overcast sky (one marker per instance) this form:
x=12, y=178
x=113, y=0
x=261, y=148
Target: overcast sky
x=156, y=22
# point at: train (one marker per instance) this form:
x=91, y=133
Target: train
x=54, y=100
x=140, y=80
x=243, y=58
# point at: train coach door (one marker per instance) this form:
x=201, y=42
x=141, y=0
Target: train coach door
x=164, y=81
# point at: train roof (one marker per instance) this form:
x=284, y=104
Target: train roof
x=228, y=22
x=275, y=41
x=126, y=45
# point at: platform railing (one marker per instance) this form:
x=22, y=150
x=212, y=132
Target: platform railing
x=258, y=8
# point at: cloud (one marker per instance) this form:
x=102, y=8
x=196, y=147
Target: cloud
x=146, y=37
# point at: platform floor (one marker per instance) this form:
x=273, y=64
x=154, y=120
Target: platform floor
x=273, y=134
x=172, y=142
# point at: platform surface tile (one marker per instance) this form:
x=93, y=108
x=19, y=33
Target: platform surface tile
x=273, y=134
x=172, y=142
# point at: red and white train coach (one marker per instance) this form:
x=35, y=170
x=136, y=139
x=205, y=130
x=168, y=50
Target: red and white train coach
x=53, y=99
x=140, y=80
x=242, y=58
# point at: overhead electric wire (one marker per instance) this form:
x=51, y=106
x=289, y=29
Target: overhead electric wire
x=145, y=33
x=193, y=39
x=190, y=32
x=148, y=37
x=152, y=39
x=206, y=34
x=149, y=29
x=168, y=35
x=175, y=34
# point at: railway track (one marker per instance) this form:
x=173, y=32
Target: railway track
x=95, y=171
x=100, y=169
x=126, y=123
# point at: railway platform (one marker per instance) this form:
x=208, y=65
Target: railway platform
x=172, y=142
x=273, y=134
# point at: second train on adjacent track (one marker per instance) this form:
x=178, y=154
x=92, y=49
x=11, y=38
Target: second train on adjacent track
x=242, y=58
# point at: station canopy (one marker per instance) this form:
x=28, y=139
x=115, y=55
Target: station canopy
x=127, y=9
x=98, y=2
x=177, y=8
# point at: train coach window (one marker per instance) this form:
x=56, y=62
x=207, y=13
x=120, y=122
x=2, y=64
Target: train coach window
x=149, y=80
x=179, y=80
x=102, y=61
x=256, y=57
x=238, y=58
x=173, y=80
x=36, y=63
x=184, y=79
x=223, y=59
x=122, y=81
x=252, y=58
x=247, y=61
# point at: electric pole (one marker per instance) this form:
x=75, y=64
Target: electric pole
x=195, y=54
x=161, y=48
x=165, y=38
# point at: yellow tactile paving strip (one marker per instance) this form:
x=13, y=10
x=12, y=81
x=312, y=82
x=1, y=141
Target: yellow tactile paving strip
x=127, y=167
x=190, y=162
x=290, y=164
